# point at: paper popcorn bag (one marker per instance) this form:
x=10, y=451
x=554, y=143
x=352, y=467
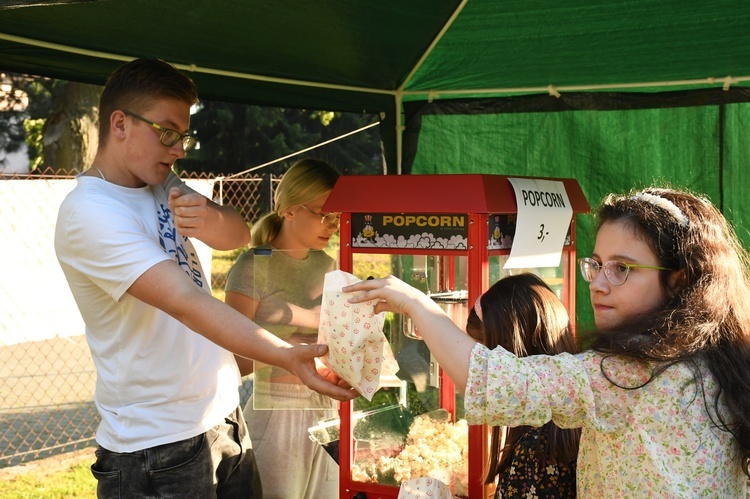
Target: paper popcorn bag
x=424, y=488
x=357, y=348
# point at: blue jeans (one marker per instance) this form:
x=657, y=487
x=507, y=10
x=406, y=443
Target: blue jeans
x=216, y=464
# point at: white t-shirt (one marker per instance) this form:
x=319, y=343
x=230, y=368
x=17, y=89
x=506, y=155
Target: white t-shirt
x=157, y=380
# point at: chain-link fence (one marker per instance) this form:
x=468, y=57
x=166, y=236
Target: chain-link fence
x=47, y=376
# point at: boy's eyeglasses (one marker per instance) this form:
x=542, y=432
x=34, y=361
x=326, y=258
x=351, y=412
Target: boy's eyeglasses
x=325, y=218
x=615, y=272
x=168, y=137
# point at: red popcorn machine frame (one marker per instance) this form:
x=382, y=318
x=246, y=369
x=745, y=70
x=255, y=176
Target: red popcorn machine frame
x=450, y=236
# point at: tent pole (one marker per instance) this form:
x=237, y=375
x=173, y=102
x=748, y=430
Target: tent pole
x=399, y=130
x=725, y=83
x=69, y=49
x=434, y=43
x=399, y=93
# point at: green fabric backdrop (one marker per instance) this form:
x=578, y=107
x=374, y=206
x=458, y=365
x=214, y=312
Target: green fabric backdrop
x=702, y=148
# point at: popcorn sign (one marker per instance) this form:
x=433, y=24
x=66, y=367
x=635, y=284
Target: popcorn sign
x=544, y=214
x=357, y=348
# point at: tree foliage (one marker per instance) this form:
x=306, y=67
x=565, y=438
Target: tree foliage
x=41, y=111
x=69, y=135
x=22, y=97
x=233, y=137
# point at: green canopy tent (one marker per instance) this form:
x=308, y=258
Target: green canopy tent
x=371, y=56
x=613, y=93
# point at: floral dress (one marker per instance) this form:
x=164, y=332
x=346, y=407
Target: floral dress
x=527, y=478
x=652, y=440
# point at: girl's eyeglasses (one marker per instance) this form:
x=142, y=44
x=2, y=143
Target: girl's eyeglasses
x=168, y=136
x=325, y=218
x=615, y=272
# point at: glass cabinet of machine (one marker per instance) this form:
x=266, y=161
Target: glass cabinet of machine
x=449, y=236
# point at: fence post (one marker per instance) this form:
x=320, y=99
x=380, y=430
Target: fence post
x=267, y=177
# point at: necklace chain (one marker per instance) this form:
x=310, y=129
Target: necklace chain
x=101, y=174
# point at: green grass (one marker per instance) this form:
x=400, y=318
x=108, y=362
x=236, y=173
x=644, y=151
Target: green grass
x=220, y=264
x=73, y=482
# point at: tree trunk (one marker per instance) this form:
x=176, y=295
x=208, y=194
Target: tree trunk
x=70, y=133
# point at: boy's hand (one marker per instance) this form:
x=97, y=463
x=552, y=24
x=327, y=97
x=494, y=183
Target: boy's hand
x=189, y=211
x=308, y=368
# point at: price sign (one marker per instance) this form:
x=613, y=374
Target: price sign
x=544, y=214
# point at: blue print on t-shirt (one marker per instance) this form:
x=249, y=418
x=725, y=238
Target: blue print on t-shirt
x=179, y=247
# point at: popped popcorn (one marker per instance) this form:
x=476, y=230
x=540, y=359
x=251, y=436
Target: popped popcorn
x=436, y=449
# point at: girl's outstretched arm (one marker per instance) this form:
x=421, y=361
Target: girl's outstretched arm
x=447, y=342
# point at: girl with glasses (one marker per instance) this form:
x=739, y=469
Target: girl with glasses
x=521, y=314
x=278, y=283
x=663, y=395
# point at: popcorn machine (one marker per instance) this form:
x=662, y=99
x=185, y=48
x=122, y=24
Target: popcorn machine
x=450, y=236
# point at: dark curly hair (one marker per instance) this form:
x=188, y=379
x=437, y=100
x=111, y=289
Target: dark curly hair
x=706, y=318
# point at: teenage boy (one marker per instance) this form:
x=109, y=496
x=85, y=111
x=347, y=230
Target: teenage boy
x=162, y=345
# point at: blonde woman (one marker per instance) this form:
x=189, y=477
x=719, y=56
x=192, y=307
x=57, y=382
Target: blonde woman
x=279, y=283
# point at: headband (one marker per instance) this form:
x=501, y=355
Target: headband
x=664, y=204
x=478, y=308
